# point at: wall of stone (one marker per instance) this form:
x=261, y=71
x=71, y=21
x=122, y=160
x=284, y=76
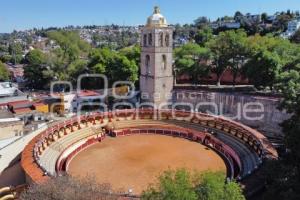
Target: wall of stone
x=235, y=105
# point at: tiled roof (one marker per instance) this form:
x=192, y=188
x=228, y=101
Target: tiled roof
x=22, y=110
x=17, y=102
x=86, y=93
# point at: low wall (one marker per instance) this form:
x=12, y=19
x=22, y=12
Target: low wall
x=70, y=152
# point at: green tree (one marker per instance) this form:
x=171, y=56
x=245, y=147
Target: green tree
x=4, y=74
x=70, y=42
x=172, y=185
x=114, y=65
x=282, y=21
x=237, y=46
x=6, y=58
x=183, y=185
x=289, y=86
x=264, y=17
x=3, y=48
x=203, y=36
x=122, y=69
x=36, y=70
x=132, y=53
x=267, y=58
x=283, y=175
x=296, y=37
x=200, y=22
x=238, y=15
x=220, y=55
x=35, y=57
x=233, y=191
x=193, y=60
x=263, y=69
x=213, y=187
x=15, y=50
x=77, y=68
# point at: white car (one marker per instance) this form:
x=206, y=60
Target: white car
x=8, y=89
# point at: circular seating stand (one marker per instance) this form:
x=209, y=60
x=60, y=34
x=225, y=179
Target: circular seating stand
x=50, y=151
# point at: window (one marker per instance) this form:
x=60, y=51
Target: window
x=164, y=62
x=161, y=39
x=145, y=39
x=167, y=40
x=150, y=39
x=147, y=64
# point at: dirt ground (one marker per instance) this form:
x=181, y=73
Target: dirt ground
x=133, y=162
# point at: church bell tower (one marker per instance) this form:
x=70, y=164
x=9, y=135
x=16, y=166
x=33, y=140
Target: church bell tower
x=156, y=74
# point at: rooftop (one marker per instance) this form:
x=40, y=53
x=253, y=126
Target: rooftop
x=4, y=114
x=87, y=93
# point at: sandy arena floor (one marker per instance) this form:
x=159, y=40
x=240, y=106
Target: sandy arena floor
x=135, y=161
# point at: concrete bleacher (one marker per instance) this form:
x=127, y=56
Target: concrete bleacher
x=240, y=144
x=51, y=154
x=249, y=159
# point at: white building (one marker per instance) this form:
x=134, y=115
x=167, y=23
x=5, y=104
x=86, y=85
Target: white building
x=272, y=18
x=226, y=24
x=85, y=98
x=253, y=18
x=232, y=25
x=293, y=26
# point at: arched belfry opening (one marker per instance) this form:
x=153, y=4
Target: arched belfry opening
x=164, y=62
x=147, y=63
x=161, y=39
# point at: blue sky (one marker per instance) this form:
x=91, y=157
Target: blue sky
x=25, y=14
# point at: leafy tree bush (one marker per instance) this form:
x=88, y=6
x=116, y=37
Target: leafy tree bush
x=35, y=72
x=183, y=185
x=228, y=50
x=193, y=60
x=296, y=37
x=4, y=74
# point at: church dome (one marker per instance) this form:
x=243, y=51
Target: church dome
x=156, y=19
